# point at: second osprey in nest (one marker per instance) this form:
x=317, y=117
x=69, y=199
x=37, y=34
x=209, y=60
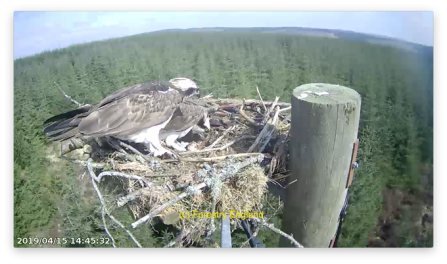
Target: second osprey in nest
x=136, y=113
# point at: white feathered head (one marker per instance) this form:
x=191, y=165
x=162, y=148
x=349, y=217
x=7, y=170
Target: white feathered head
x=187, y=86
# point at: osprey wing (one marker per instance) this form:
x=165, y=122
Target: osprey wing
x=185, y=116
x=130, y=114
x=144, y=88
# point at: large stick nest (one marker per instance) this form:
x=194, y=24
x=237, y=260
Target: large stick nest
x=222, y=171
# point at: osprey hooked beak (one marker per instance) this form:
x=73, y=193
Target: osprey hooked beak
x=206, y=121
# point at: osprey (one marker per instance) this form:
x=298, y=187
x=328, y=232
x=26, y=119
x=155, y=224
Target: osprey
x=136, y=113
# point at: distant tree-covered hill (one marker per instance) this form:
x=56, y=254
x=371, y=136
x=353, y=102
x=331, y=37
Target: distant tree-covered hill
x=318, y=32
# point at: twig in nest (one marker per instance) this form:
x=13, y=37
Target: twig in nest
x=264, y=137
x=104, y=208
x=113, y=142
x=131, y=196
x=84, y=163
x=229, y=106
x=134, y=195
x=212, y=227
x=281, y=151
x=134, y=150
x=276, y=116
x=124, y=156
x=163, y=175
x=231, y=103
x=276, y=230
x=190, y=191
x=287, y=119
x=260, y=97
x=208, y=96
x=285, y=109
x=244, y=115
x=279, y=155
x=274, y=103
x=214, y=158
x=281, y=177
x=221, y=137
x=284, y=187
x=272, y=168
x=119, y=174
x=68, y=97
x=266, y=133
x=222, y=112
x=272, y=106
x=219, y=148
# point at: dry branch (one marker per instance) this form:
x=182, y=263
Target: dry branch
x=103, y=216
x=281, y=177
x=244, y=115
x=274, y=103
x=134, y=150
x=101, y=200
x=276, y=230
x=275, y=117
x=68, y=97
x=260, y=98
x=231, y=103
x=123, y=175
x=113, y=143
x=285, y=109
x=131, y=196
x=191, y=190
x=263, y=138
x=84, y=163
x=272, y=106
x=219, y=148
x=207, y=96
x=212, y=158
x=287, y=118
x=221, y=137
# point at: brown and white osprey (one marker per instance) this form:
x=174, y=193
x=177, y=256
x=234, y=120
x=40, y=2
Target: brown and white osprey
x=136, y=113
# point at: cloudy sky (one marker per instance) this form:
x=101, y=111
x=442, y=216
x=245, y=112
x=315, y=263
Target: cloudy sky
x=35, y=32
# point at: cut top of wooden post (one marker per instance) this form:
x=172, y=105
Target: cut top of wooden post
x=324, y=93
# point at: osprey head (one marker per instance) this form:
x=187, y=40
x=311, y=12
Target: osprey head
x=186, y=86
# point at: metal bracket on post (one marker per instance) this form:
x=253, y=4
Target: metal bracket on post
x=331, y=244
x=351, y=165
x=225, y=238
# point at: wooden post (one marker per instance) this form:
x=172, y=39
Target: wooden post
x=325, y=120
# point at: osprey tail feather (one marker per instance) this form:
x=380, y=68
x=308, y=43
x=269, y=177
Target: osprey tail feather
x=69, y=114
x=65, y=126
